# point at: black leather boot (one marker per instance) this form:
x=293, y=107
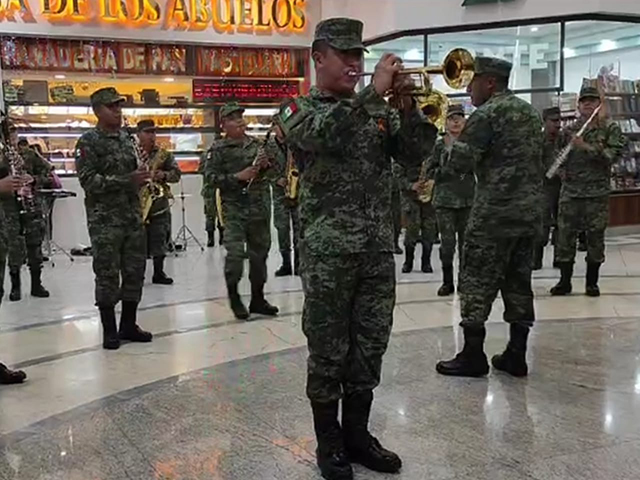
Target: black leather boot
x=110, y=338
x=593, y=275
x=296, y=262
x=37, y=290
x=159, y=277
x=330, y=454
x=259, y=304
x=16, y=286
x=471, y=361
x=361, y=446
x=564, y=287
x=426, y=257
x=129, y=329
x=11, y=377
x=538, y=255
x=409, y=253
x=211, y=240
x=236, y=304
x=514, y=359
x=447, y=288
x=285, y=268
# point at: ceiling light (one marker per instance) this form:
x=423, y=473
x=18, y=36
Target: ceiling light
x=606, y=45
x=569, y=52
x=413, y=55
x=535, y=29
x=60, y=76
x=169, y=79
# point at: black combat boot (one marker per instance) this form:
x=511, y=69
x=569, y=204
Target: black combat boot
x=159, y=277
x=361, y=446
x=593, y=275
x=110, y=338
x=426, y=257
x=296, y=262
x=285, y=268
x=538, y=255
x=471, y=361
x=16, y=286
x=447, y=288
x=37, y=290
x=211, y=239
x=259, y=304
x=235, y=302
x=514, y=359
x=564, y=285
x=11, y=377
x=330, y=454
x=409, y=253
x=129, y=329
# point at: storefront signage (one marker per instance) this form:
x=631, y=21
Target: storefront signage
x=251, y=62
x=246, y=91
x=225, y=16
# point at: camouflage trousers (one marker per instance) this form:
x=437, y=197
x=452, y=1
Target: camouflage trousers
x=421, y=223
x=27, y=244
x=347, y=319
x=119, y=260
x=285, y=218
x=590, y=215
x=211, y=214
x=246, y=236
x=491, y=265
x=158, y=233
x=452, y=223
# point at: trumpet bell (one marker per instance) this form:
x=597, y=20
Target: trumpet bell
x=435, y=106
x=458, y=68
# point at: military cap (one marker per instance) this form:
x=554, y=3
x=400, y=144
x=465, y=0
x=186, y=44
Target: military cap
x=551, y=112
x=455, y=109
x=146, y=125
x=106, y=96
x=229, y=108
x=341, y=33
x=493, y=66
x=589, y=92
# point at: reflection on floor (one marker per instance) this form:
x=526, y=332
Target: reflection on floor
x=213, y=398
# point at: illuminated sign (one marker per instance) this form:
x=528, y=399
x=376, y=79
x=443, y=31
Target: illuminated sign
x=247, y=91
x=225, y=16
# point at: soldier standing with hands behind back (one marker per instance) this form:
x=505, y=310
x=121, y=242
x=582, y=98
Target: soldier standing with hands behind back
x=344, y=142
x=110, y=176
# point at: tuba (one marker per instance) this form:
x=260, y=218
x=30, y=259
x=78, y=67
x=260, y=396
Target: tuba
x=293, y=177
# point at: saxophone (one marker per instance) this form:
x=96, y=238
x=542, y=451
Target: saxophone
x=425, y=192
x=293, y=177
x=150, y=191
x=24, y=196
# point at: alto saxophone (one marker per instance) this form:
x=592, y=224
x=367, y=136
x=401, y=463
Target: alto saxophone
x=24, y=196
x=425, y=190
x=293, y=177
x=150, y=191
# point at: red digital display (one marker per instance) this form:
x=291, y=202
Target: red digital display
x=247, y=91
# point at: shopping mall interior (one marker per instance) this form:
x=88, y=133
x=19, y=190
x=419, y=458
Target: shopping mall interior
x=215, y=397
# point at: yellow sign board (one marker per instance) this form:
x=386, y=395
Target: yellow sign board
x=225, y=16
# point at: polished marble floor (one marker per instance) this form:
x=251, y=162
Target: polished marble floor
x=214, y=398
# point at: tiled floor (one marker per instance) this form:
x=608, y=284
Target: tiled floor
x=214, y=398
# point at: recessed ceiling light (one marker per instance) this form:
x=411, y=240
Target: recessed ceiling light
x=607, y=44
x=535, y=29
x=60, y=76
x=169, y=79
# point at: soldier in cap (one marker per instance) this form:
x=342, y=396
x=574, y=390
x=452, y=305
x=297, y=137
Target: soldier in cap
x=211, y=214
x=234, y=166
x=109, y=173
x=164, y=170
x=552, y=146
x=25, y=221
x=584, y=197
x=344, y=142
x=452, y=196
x=502, y=142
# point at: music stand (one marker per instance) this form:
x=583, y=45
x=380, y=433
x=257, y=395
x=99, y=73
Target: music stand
x=185, y=233
x=49, y=243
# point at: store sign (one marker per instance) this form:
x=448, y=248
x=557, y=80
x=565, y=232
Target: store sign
x=225, y=16
x=251, y=62
x=246, y=91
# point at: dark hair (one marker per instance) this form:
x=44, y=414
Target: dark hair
x=321, y=46
x=23, y=142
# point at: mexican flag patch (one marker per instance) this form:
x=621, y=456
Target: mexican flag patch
x=289, y=111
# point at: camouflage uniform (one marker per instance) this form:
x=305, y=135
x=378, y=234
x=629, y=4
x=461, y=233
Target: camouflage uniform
x=208, y=192
x=104, y=162
x=396, y=204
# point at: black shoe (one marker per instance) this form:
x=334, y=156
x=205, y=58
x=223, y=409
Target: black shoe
x=211, y=240
x=259, y=304
x=129, y=329
x=426, y=258
x=361, y=446
x=409, y=254
x=330, y=454
x=11, y=377
x=236, y=304
x=159, y=277
x=593, y=275
x=16, y=286
x=447, y=288
x=564, y=287
x=110, y=338
x=285, y=270
x=37, y=290
x=514, y=359
x=471, y=361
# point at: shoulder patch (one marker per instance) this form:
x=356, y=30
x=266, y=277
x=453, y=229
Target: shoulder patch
x=291, y=113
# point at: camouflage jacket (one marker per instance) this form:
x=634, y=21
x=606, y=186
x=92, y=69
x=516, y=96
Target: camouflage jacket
x=278, y=153
x=34, y=165
x=343, y=148
x=552, y=148
x=225, y=159
x=587, y=173
x=502, y=143
x=450, y=191
x=105, y=162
